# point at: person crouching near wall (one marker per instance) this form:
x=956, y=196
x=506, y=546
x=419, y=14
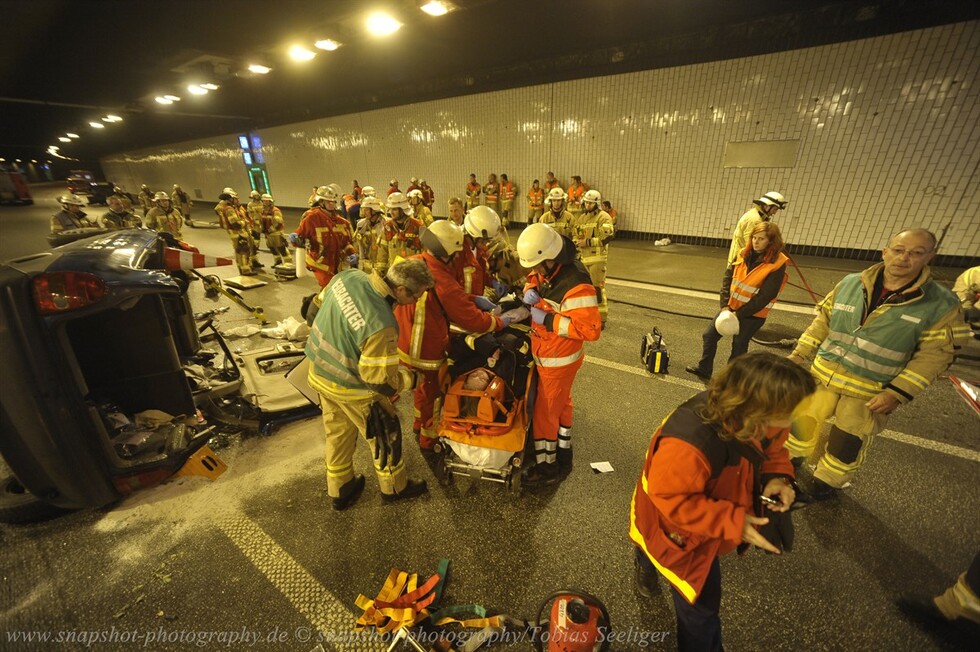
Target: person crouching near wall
x=707, y=466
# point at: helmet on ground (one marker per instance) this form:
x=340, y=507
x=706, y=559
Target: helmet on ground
x=267, y=197
x=160, y=196
x=555, y=194
x=368, y=191
x=415, y=193
x=326, y=193
x=772, y=198
x=254, y=194
x=726, y=323
x=443, y=238
x=538, y=243
x=399, y=200
x=75, y=200
x=592, y=197
x=482, y=222
x=371, y=202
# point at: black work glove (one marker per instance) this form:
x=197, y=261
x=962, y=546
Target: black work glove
x=779, y=530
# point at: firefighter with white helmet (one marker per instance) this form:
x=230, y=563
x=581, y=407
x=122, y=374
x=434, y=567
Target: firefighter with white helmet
x=764, y=209
x=393, y=187
x=423, y=338
x=369, y=233
x=234, y=220
x=401, y=235
x=368, y=191
x=564, y=314
x=327, y=235
x=163, y=216
x=274, y=228
x=71, y=215
x=146, y=198
x=118, y=217
x=480, y=226
x=254, y=208
x=591, y=230
x=419, y=209
x=557, y=214
x=182, y=202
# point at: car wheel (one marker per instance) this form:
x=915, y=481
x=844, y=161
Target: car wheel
x=18, y=505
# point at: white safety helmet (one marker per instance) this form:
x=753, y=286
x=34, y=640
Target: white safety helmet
x=443, y=238
x=555, y=194
x=336, y=188
x=592, y=197
x=772, y=198
x=160, y=196
x=371, y=202
x=482, y=222
x=326, y=193
x=726, y=323
x=393, y=182
x=75, y=200
x=538, y=243
x=421, y=182
x=415, y=193
x=254, y=194
x=414, y=180
x=368, y=191
x=176, y=187
x=267, y=197
x=229, y=191
x=399, y=200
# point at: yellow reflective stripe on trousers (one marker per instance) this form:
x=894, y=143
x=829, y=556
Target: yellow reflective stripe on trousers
x=324, y=386
x=558, y=362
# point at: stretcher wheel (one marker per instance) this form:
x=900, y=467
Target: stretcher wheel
x=443, y=474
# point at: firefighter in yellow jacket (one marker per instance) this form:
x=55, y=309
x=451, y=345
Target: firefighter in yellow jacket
x=879, y=339
x=557, y=215
x=420, y=211
x=369, y=233
x=763, y=211
x=163, y=216
x=400, y=237
x=591, y=231
x=239, y=231
x=272, y=225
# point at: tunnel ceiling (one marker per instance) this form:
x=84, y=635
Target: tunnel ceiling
x=66, y=63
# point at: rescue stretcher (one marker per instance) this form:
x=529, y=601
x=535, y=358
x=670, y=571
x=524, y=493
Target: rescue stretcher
x=483, y=432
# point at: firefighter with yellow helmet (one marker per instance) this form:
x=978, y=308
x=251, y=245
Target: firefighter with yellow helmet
x=591, y=230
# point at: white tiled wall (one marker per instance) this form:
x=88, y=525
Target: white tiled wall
x=889, y=132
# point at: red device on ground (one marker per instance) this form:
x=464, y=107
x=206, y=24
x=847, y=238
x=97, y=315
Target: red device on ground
x=579, y=623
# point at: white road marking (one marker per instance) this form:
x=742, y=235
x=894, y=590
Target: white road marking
x=318, y=605
x=912, y=440
x=698, y=294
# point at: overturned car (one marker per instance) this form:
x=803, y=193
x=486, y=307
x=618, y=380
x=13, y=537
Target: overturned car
x=107, y=387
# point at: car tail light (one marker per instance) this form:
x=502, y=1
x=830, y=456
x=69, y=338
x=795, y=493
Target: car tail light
x=127, y=484
x=60, y=292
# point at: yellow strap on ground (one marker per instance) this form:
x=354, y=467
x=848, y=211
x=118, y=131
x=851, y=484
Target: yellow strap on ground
x=493, y=621
x=388, y=619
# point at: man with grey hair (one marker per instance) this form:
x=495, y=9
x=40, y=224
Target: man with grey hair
x=354, y=367
x=879, y=339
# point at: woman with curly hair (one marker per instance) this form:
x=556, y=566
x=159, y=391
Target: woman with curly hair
x=716, y=471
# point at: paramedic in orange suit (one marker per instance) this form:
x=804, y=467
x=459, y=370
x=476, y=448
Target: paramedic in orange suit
x=423, y=327
x=480, y=226
x=564, y=314
x=697, y=498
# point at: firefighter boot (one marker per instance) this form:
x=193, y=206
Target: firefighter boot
x=412, y=489
x=564, y=461
x=349, y=493
x=541, y=474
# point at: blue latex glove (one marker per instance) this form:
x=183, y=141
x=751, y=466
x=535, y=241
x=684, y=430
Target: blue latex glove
x=484, y=303
x=295, y=240
x=507, y=320
x=352, y=260
x=537, y=314
x=499, y=287
x=531, y=297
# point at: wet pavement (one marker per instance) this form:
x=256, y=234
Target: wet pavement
x=260, y=554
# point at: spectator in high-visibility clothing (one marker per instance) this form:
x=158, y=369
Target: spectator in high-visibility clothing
x=575, y=193
x=535, y=202
x=491, y=192
x=473, y=190
x=507, y=195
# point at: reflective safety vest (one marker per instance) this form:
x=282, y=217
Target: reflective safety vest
x=490, y=191
x=507, y=189
x=746, y=282
x=548, y=185
x=575, y=194
x=878, y=349
x=352, y=310
x=535, y=198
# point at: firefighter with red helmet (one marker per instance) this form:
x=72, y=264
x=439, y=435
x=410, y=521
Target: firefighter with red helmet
x=401, y=233
x=327, y=236
x=564, y=314
x=591, y=230
x=423, y=327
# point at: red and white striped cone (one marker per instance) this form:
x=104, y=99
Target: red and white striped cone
x=174, y=259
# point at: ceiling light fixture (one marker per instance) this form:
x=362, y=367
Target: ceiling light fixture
x=194, y=89
x=64, y=140
x=112, y=118
x=163, y=100
x=33, y=160
x=327, y=44
x=299, y=53
x=210, y=87
x=96, y=125
x=437, y=8
x=71, y=135
x=172, y=98
x=259, y=70
x=382, y=24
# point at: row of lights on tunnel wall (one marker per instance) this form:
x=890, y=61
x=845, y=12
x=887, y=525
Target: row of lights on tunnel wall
x=378, y=24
